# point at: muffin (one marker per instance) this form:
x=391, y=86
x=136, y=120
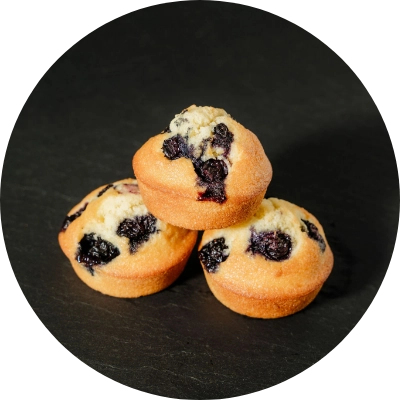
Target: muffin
x=120, y=249
x=204, y=171
x=272, y=265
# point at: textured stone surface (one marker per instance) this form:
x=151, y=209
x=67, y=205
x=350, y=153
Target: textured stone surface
x=102, y=100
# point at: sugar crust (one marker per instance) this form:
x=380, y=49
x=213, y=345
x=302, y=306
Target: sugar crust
x=157, y=263
x=251, y=285
x=169, y=187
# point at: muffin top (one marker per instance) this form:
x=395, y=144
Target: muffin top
x=206, y=155
x=111, y=231
x=280, y=252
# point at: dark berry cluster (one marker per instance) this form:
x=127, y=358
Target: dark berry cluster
x=273, y=245
x=213, y=172
x=213, y=253
x=137, y=230
x=313, y=233
x=175, y=147
x=222, y=138
x=93, y=251
x=69, y=218
x=102, y=191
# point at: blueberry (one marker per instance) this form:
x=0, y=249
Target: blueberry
x=95, y=251
x=104, y=190
x=175, y=147
x=69, y=218
x=212, y=174
x=273, y=245
x=128, y=188
x=212, y=171
x=214, y=192
x=222, y=138
x=212, y=254
x=137, y=230
x=313, y=233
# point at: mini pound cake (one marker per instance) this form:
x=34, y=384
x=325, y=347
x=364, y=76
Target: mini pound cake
x=204, y=171
x=271, y=265
x=118, y=248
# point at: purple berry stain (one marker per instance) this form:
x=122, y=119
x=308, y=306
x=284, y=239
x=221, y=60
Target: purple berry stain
x=223, y=138
x=102, y=191
x=214, y=192
x=138, y=230
x=93, y=252
x=313, y=233
x=69, y=218
x=175, y=147
x=273, y=245
x=128, y=188
x=212, y=254
x=212, y=172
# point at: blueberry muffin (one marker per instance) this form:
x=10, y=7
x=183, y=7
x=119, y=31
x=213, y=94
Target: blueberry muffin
x=271, y=265
x=118, y=248
x=204, y=171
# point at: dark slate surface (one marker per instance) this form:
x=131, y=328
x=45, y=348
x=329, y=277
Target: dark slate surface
x=122, y=84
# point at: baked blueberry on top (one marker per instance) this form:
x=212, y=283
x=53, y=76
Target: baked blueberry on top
x=69, y=218
x=273, y=245
x=93, y=251
x=204, y=171
x=223, y=138
x=118, y=248
x=276, y=263
x=138, y=230
x=72, y=216
x=175, y=147
x=313, y=233
x=206, y=147
x=213, y=253
x=102, y=191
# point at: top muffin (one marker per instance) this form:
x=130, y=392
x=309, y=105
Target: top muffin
x=204, y=171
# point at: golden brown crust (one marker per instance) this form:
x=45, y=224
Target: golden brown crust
x=263, y=307
x=170, y=187
x=252, y=285
x=156, y=264
x=132, y=285
x=183, y=211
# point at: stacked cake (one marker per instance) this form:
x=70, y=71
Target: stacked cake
x=264, y=258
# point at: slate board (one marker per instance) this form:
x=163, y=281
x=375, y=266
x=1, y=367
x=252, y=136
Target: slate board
x=123, y=83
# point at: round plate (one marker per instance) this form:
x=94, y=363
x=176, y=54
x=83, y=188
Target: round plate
x=122, y=84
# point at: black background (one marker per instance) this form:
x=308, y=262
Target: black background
x=32, y=35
